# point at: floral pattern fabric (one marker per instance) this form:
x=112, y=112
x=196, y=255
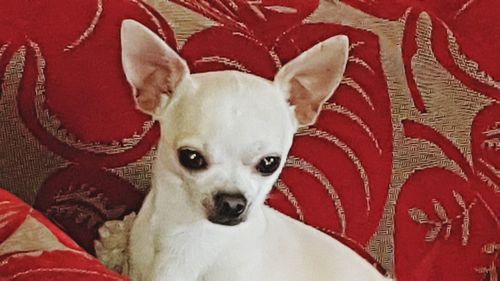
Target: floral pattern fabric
x=403, y=164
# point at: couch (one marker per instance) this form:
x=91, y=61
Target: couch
x=402, y=166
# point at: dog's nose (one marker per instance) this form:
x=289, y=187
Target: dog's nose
x=229, y=205
x=228, y=208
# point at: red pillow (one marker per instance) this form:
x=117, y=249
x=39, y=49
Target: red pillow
x=32, y=248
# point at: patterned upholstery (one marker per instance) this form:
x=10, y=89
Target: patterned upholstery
x=404, y=162
x=32, y=248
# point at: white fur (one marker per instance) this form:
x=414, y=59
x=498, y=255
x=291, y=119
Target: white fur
x=234, y=119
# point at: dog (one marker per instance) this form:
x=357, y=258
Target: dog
x=225, y=136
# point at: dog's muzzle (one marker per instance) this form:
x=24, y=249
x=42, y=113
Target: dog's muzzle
x=228, y=208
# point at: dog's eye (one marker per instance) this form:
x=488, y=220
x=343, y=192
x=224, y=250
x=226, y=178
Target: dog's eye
x=191, y=159
x=268, y=165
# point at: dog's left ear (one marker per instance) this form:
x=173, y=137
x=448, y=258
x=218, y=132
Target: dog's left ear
x=151, y=66
x=311, y=78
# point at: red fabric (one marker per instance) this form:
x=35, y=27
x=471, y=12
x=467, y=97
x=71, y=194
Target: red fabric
x=84, y=111
x=472, y=22
x=348, y=174
x=93, y=103
x=38, y=262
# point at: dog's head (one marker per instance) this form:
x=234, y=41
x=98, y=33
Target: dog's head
x=225, y=135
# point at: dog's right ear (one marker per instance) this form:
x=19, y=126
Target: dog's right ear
x=151, y=66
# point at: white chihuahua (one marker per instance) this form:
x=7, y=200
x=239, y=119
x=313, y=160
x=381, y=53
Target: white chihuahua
x=225, y=136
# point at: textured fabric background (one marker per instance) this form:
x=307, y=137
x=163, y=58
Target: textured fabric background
x=404, y=161
x=32, y=248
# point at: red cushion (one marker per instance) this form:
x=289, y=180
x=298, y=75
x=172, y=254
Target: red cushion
x=32, y=248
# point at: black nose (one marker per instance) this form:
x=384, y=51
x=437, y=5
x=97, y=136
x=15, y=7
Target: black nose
x=228, y=208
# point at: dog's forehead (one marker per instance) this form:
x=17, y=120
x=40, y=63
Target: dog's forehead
x=236, y=106
x=234, y=94
x=236, y=88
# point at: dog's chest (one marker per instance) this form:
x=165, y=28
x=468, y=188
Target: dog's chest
x=249, y=271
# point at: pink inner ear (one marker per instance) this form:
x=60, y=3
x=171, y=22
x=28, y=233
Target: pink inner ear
x=147, y=100
x=154, y=85
x=312, y=77
x=162, y=81
x=150, y=65
x=306, y=107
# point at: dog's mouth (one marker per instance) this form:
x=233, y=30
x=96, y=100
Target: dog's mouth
x=226, y=221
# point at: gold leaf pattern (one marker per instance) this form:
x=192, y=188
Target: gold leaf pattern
x=490, y=167
x=313, y=132
x=491, y=270
x=467, y=65
x=433, y=233
x=440, y=211
x=85, y=205
x=465, y=216
x=2, y=49
x=159, y=29
x=421, y=217
x=301, y=164
x=448, y=232
x=459, y=199
x=489, y=182
x=361, y=62
x=465, y=227
x=281, y=9
x=5, y=216
x=491, y=248
x=89, y=29
x=344, y=111
x=54, y=126
x=225, y=61
x=418, y=215
x=285, y=190
x=348, y=81
x=492, y=142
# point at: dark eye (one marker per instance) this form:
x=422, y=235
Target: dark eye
x=191, y=159
x=268, y=165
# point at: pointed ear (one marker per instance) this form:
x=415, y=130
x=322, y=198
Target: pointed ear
x=150, y=65
x=312, y=77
